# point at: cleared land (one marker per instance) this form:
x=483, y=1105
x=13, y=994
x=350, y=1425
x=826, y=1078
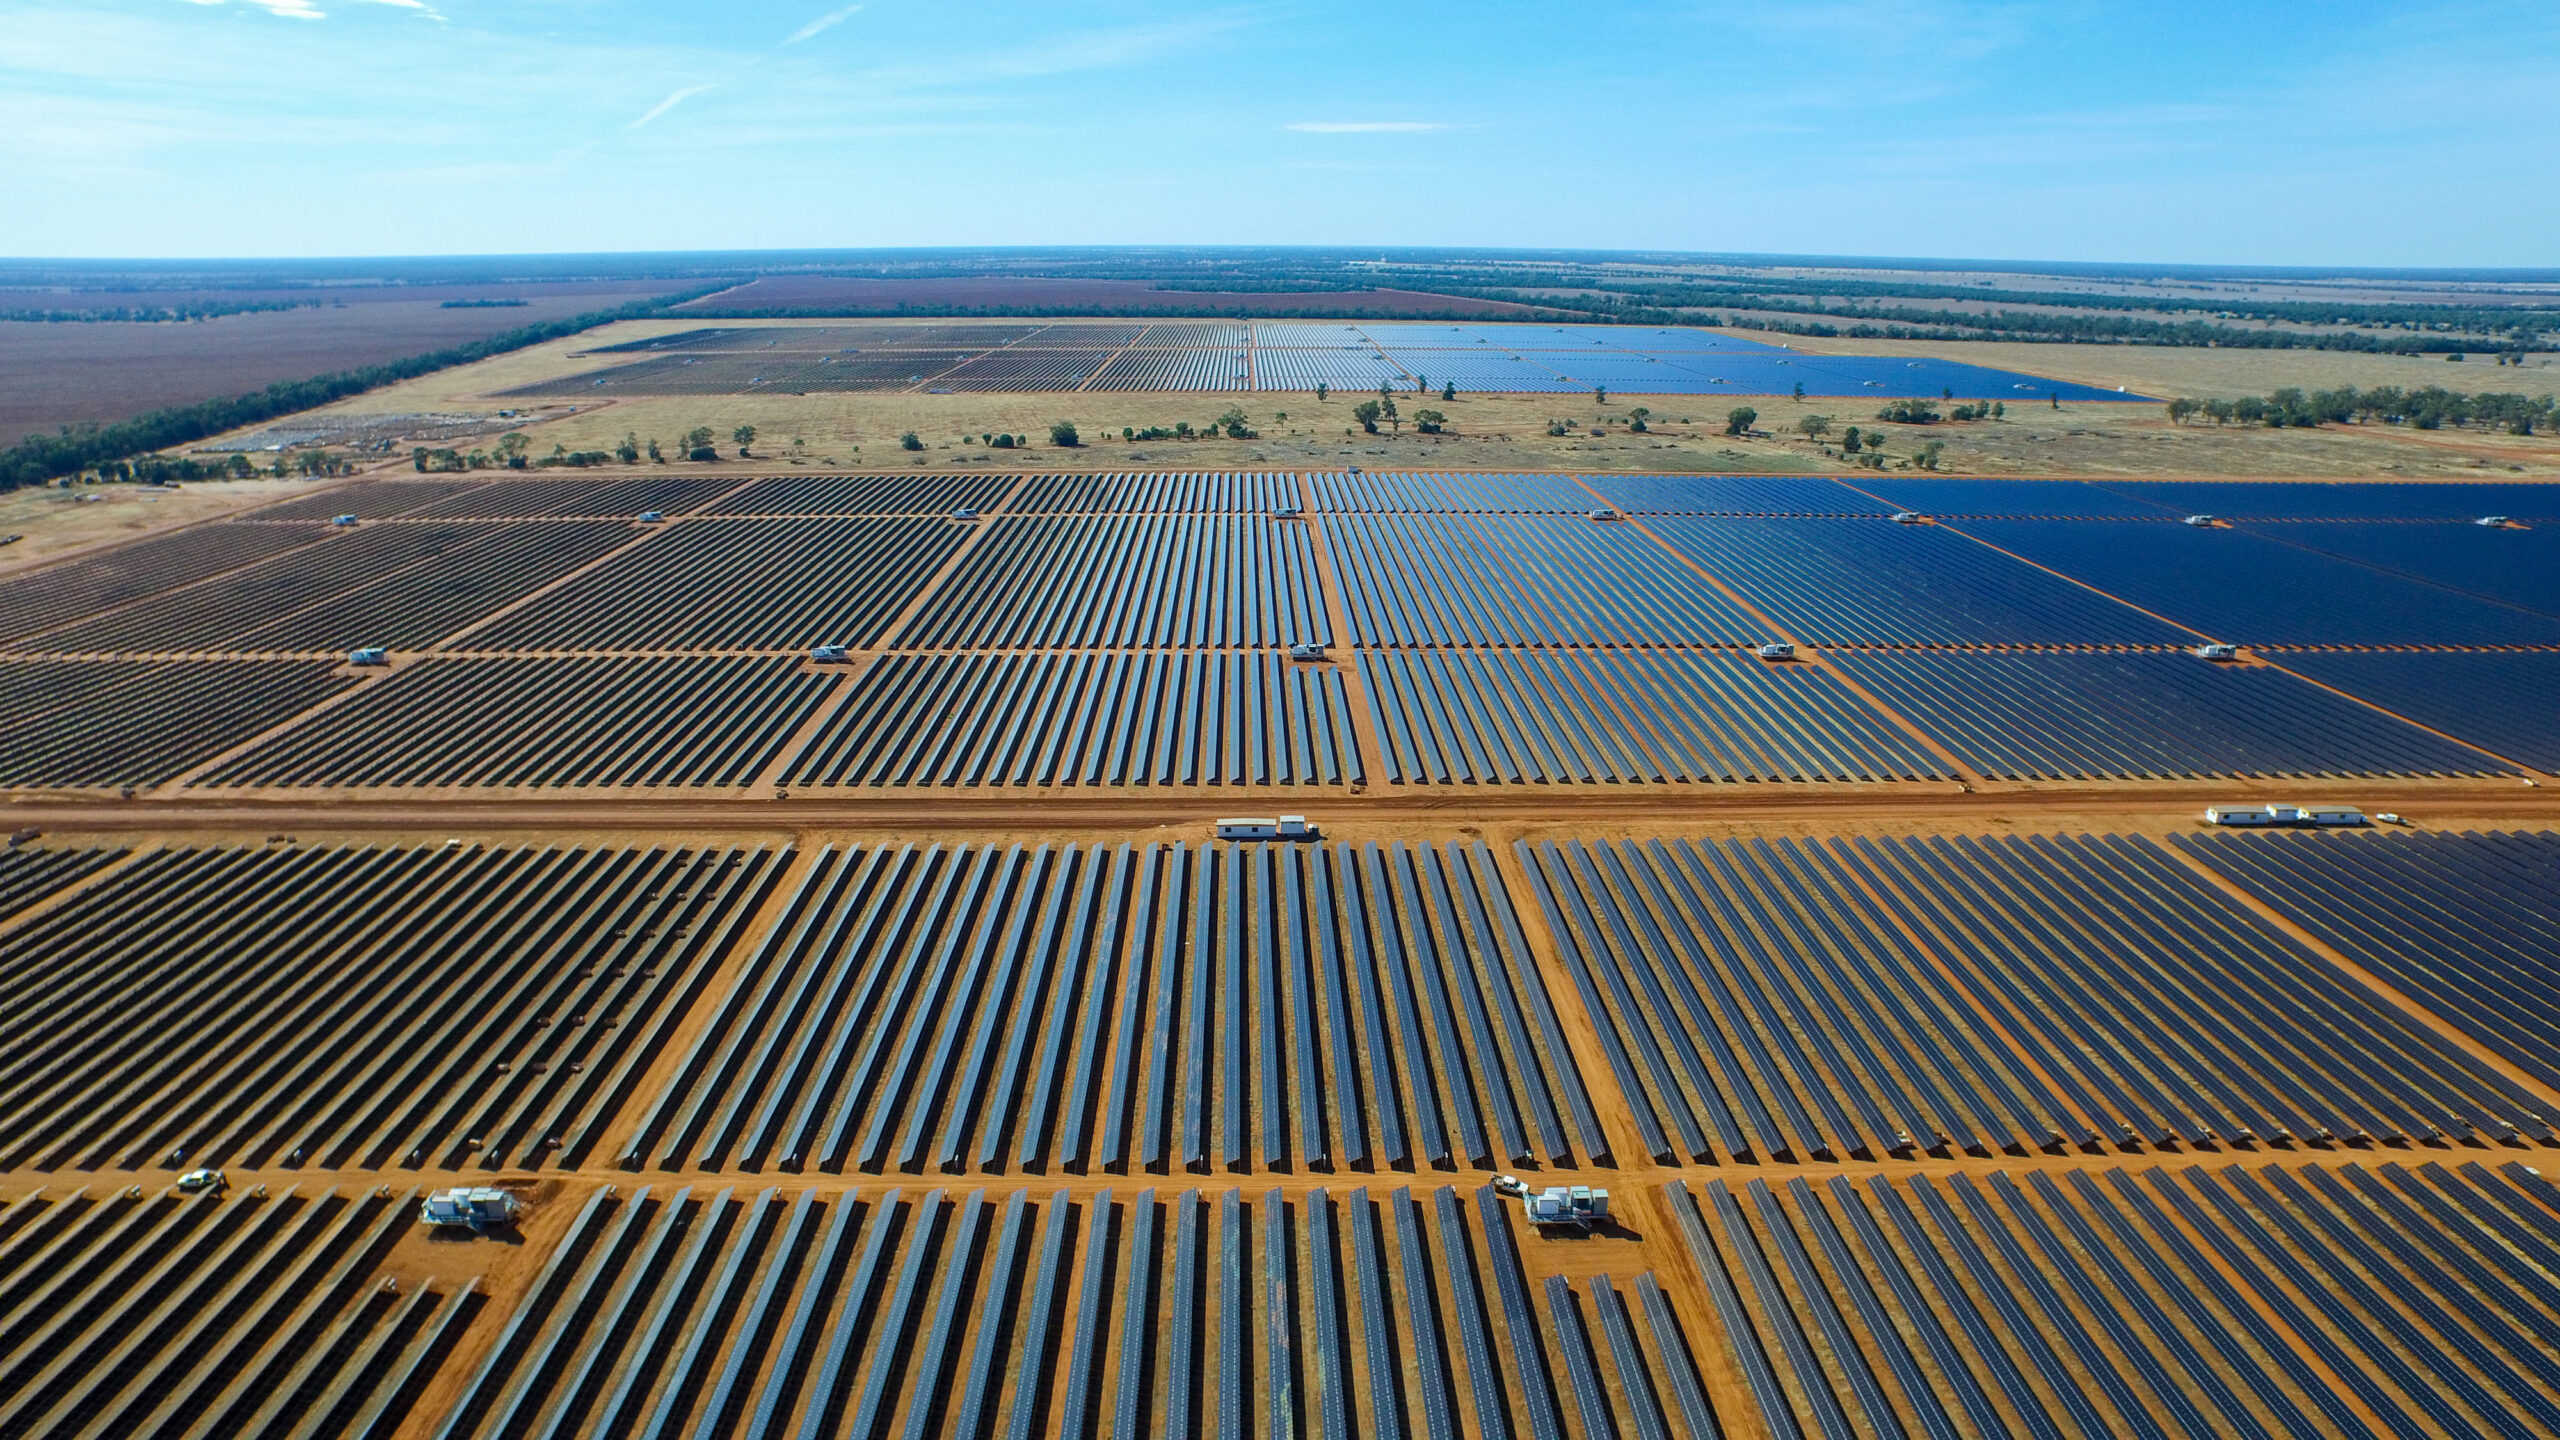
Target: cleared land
x=72, y=373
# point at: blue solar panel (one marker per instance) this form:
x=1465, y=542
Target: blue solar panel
x=2505, y=700
x=2357, y=500
x=2059, y=498
x=2514, y=567
x=1885, y=376
x=2250, y=590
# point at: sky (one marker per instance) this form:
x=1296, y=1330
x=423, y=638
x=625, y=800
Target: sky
x=2341, y=133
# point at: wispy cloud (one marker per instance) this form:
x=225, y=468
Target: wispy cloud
x=305, y=10
x=1367, y=127
x=822, y=24
x=671, y=102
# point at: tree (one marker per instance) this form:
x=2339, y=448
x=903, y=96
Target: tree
x=697, y=444
x=1850, y=442
x=1637, y=422
x=1814, y=426
x=1799, y=389
x=1368, y=413
x=909, y=441
x=745, y=435
x=1946, y=393
x=628, y=452
x=1392, y=417
x=1429, y=421
x=1322, y=390
x=1927, y=459
x=418, y=457
x=510, y=449
x=2182, y=408
x=654, y=453
x=1600, y=395
x=1740, y=419
x=1064, y=436
x=1449, y=390
x=1233, y=422
x=1909, y=412
x=1421, y=383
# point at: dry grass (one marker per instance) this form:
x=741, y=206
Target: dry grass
x=55, y=521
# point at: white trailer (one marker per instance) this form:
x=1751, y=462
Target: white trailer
x=2239, y=815
x=1265, y=827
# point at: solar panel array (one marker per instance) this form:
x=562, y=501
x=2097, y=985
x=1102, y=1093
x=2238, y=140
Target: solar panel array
x=1270, y=356
x=1335, y=630
x=1950, y=1134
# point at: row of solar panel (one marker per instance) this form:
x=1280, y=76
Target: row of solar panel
x=2309, y=1303
x=1441, y=716
x=1795, y=999
x=623, y=496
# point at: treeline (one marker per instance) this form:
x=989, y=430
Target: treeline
x=2427, y=408
x=2038, y=327
x=39, y=458
x=154, y=314
x=2023, y=327
x=906, y=310
x=1616, y=292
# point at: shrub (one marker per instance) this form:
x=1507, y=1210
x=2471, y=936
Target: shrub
x=909, y=441
x=1063, y=435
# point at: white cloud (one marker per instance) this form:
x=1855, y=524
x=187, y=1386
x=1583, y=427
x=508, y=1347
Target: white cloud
x=1367, y=127
x=671, y=102
x=826, y=22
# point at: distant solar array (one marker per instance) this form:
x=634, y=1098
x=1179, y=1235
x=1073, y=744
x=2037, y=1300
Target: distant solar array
x=1271, y=356
x=1275, y=629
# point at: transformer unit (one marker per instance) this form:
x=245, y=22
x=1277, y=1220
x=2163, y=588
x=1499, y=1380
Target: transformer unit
x=2216, y=651
x=2201, y=521
x=652, y=517
x=2494, y=522
x=828, y=654
x=1255, y=827
x=964, y=513
x=1576, y=1207
x=1601, y=516
x=1908, y=517
x=342, y=519
x=1284, y=512
x=476, y=1209
x=1306, y=652
x=1776, y=650
x=368, y=655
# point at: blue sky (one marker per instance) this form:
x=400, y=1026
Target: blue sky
x=2339, y=133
